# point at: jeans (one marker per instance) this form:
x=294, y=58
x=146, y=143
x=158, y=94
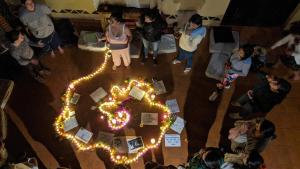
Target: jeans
x=247, y=105
x=51, y=42
x=183, y=54
x=153, y=45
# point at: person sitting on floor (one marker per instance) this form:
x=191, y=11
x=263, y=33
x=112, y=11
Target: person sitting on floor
x=119, y=37
x=251, y=161
x=23, y=53
x=263, y=97
x=238, y=65
x=190, y=38
x=152, y=29
x=208, y=158
x=252, y=135
x=258, y=58
x=36, y=18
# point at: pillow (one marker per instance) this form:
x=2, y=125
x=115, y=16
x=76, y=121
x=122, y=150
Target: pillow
x=223, y=35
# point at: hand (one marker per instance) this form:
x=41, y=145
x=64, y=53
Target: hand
x=40, y=44
x=244, y=128
x=34, y=61
x=177, y=35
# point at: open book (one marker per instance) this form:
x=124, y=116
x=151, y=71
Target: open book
x=84, y=135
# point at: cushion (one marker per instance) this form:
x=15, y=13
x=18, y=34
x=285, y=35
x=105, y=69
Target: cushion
x=223, y=35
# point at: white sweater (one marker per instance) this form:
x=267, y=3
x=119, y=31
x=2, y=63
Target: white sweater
x=290, y=40
x=190, y=43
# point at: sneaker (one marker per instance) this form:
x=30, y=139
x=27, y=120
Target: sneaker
x=187, y=70
x=175, y=61
x=143, y=61
x=213, y=96
x=236, y=104
x=235, y=116
x=39, y=79
x=155, y=62
x=45, y=72
x=114, y=67
x=227, y=86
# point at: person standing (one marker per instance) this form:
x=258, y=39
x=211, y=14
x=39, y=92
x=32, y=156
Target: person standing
x=152, y=28
x=118, y=37
x=291, y=58
x=36, y=18
x=190, y=38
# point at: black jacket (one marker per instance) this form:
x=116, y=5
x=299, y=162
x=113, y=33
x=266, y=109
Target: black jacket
x=152, y=31
x=265, y=99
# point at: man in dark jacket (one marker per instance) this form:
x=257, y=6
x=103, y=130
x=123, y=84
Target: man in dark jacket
x=152, y=28
x=263, y=97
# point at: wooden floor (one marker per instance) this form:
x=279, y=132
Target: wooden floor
x=37, y=105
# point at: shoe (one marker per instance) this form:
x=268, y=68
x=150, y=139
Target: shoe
x=155, y=62
x=213, y=96
x=39, y=79
x=187, y=70
x=235, y=116
x=114, y=67
x=227, y=86
x=236, y=104
x=45, y=72
x=143, y=61
x=175, y=61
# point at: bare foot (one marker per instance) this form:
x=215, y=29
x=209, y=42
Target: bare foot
x=61, y=50
x=53, y=54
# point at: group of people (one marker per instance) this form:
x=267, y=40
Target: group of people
x=151, y=27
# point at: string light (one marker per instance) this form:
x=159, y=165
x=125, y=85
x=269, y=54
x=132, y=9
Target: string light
x=119, y=117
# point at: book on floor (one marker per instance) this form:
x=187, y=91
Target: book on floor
x=137, y=93
x=134, y=144
x=84, y=135
x=178, y=125
x=105, y=137
x=159, y=87
x=98, y=94
x=172, y=140
x=70, y=123
x=173, y=105
x=75, y=98
x=120, y=144
x=149, y=119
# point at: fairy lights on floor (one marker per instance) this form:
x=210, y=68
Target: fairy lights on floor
x=116, y=115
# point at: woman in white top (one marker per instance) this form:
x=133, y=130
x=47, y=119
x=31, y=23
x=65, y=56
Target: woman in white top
x=118, y=36
x=291, y=59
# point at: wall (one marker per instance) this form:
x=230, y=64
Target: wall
x=86, y=5
x=215, y=9
x=295, y=16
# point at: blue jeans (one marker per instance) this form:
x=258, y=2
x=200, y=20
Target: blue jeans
x=183, y=54
x=51, y=42
x=153, y=45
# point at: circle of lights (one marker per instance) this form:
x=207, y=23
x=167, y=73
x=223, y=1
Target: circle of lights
x=115, y=157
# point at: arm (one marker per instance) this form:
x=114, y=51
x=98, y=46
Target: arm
x=128, y=33
x=195, y=41
x=46, y=9
x=282, y=41
x=245, y=70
